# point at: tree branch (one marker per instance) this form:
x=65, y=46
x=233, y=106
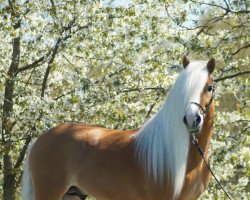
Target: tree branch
x=210, y=4
x=52, y=3
x=45, y=79
x=238, y=50
x=232, y=76
x=65, y=94
x=22, y=153
x=151, y=107
x=30, y=66
x=96, y=82
x=71, y=63
x=210, y=22
x=11, y=7
x=54, y=52
x=241, y=11
x=227, y=9
x=141, y=89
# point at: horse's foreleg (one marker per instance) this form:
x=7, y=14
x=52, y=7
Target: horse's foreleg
x=49, y=193
x=49, y=188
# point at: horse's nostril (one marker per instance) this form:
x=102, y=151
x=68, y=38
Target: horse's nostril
x=185, y=120
x=198, y=119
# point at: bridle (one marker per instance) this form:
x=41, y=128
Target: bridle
x=195, y=140
x=205, y=110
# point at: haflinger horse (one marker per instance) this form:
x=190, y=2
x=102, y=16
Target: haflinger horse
x=156, y=162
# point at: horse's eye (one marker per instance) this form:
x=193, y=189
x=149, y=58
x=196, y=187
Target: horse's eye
x=210, y=88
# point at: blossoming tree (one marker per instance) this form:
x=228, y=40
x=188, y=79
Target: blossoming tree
x=79, y=61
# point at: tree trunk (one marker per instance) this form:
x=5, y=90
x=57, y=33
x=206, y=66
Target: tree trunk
x=9, y=179
x=8, y=172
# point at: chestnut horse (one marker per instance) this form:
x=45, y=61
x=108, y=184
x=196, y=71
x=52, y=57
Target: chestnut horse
x=156, y=162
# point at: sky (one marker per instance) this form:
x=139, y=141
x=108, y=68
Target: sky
x=117, y=2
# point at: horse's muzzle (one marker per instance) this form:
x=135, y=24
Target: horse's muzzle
x=193, y=118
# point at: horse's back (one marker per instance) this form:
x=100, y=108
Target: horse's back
x=67, y=145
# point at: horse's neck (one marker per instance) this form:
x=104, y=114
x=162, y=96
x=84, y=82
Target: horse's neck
x=204, y=138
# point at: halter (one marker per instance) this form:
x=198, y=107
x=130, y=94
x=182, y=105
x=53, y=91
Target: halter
x=204, y=110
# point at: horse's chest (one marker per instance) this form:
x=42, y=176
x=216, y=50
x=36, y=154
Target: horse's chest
x=193, y=190
x=195, y=183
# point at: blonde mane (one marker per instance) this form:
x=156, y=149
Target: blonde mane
x=162, y=144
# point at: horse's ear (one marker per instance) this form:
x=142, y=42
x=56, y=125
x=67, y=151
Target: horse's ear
x=185, y=62
x=211, y=65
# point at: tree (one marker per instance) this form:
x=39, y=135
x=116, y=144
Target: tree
x=78, y=61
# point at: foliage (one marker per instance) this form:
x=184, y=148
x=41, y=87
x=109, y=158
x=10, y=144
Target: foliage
x=78, y=61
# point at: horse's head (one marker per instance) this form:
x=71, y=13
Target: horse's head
x=197, y=112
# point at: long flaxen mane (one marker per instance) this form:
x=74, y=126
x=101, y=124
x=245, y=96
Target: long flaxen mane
x=162, y=144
